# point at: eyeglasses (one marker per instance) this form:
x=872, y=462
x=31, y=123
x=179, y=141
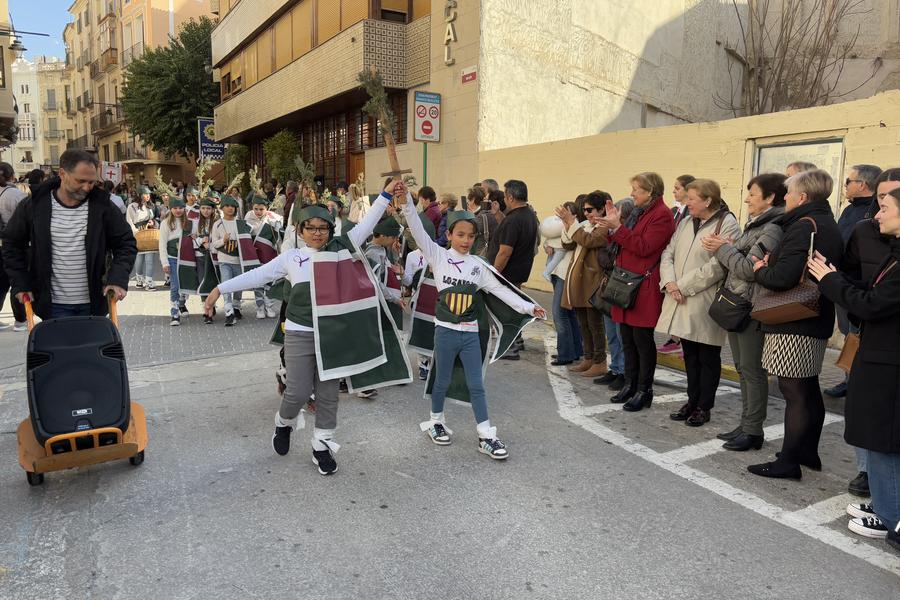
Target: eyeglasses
x=321, y=230
x=848, y=181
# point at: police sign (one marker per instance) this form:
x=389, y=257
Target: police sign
x=206, y=139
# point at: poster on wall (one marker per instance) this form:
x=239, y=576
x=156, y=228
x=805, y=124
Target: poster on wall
x=825, y=154
x=206, y=133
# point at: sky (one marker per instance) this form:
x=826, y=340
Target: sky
x=43, y=16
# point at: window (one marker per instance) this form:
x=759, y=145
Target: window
x=283, y=41
x=264, y=54
x=26, y=108
x=301, y=17
x=328, y=20
x=51, y=98
x=250, y=65
x=28, y=157
x=106, y=152
x=54, y=155
x=352, y=12
x=54, y=124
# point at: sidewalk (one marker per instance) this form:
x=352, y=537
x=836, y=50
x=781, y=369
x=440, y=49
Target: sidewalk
x=830, y=376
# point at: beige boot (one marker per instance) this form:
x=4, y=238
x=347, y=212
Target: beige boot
x=584, y=365
x=596, y=370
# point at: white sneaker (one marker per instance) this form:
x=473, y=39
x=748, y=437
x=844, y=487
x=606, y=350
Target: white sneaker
x=4, y=326
x=366, y=394
x=860, y=510
x=439, y=434
x=20, y=326
x=870, y=527
x=493, y=448
x=175, y=322
x=260, y=313
x=150, y=287
x=271, y=312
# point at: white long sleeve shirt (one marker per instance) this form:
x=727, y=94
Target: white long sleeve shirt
x=295, y=264
x=217, y=239
x=415, y=262
x=451, y=268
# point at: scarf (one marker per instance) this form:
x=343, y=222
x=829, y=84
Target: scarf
x=630, y=222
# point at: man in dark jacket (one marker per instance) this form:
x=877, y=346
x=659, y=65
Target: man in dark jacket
x=68, y=246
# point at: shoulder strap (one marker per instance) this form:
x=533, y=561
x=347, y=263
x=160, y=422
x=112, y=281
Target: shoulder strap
x=811, y=220
x=724, y=214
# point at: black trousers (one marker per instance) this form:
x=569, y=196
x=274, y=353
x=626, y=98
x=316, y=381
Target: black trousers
x=640, y=356
x=703, y=364
x=18, y=308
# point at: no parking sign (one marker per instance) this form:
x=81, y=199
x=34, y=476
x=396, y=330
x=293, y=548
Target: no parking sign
x=427, y=117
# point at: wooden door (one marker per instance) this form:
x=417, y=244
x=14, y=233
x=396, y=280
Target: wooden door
x=357, y=165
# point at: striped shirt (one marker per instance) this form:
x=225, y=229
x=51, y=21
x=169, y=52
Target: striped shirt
x=68, y=258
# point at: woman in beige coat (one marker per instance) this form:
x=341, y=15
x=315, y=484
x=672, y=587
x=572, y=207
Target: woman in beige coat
x=689, y=277
x=583, y=278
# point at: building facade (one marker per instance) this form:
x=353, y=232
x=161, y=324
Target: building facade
x=28, y=151
x=103, y=38
x=57, y=126
x=8, y=114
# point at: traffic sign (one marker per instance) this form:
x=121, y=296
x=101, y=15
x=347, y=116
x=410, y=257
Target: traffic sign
x=427, y=117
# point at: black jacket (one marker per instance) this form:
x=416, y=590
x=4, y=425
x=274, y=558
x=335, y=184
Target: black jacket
x=872, y=409
x=853, y=214
x=787, y=264
x=27, y=248
x=865, y=252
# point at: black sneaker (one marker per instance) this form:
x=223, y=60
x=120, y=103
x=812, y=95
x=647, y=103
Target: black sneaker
x=423, y=373
x=893, y=538
x=342, y=387
x=860, y=510
x=493, y=448
x=175, y=322
x=439, y=434
x=511, y=355
x=859, y=485
x=607, y=378
x=237, y=314
x=325, y=461
x=870, y=527
x=618, y=383
x=281, y=441
x=229, y=320
x=207, y=320
x=182, y=310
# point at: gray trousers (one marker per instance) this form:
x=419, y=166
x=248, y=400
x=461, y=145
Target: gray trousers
x=303, y=380
x=746, y=347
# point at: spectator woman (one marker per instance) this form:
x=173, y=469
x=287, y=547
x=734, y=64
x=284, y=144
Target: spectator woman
x=689, y=277
x=679, y=212
x=447, y=204
x=485, y=222
x=358, y=203
x=498, y=204
x=794, y=351
x=638, y=244
x=171, y=230
x=583, y=278
x=140, y=215
x=872, y=418
x=765, y=205
x=559, y=256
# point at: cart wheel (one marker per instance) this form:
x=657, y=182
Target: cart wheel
x=137, y=458
x=34, y=478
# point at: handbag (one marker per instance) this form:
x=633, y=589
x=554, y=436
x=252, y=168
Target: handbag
x=848, y=352
x=596, y=300
x=730, y=311
x=622, y=287
x=798, y=303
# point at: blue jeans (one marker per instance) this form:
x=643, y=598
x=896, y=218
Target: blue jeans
x=884, y=483
x=568, y=332
x=144, y=264
x=614, y=342
x=448, y=344
x=175, y=297
x=230, y=271
x=62, y=311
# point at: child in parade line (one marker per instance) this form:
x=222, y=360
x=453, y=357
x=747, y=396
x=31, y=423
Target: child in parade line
x=256, y=218
x=171, y=230
x=208, y=217
x=306, y=352
x=415, y=262
x=140, y=215
x=459, y=276
x=224, y=238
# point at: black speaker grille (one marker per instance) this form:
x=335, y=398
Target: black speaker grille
x=36, y=359
x=115, y=351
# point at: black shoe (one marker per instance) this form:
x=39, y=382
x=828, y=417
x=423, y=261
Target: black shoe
x=281, y=441
x=727, y=437
x=342, y=387
x=325, y=461
x=618, y=384
x=697, y=418
x=744, y=442
x=607, y=378
x=859, y=485
x=893, y=538
x=207, y=320
x=682, y=413
x=838, y=391
x=229, y=320
x=623, y=396
x=639, y=401
x=814, y=463
x=777, y=469
x=237, y=314
x=559, y=363
x=511, y=356
x=182, y=310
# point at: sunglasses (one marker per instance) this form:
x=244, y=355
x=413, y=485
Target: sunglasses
x=848, y=181
x=589, y=209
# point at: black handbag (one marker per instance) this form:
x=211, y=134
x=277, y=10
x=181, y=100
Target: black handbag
x=730, y=311
x=623, y=286
x=596, y=300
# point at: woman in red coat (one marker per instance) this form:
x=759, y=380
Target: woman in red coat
x=638, y=245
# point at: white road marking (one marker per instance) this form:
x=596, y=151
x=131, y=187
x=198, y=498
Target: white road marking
x=827, y=510
x=807, y=522
x=597, y=409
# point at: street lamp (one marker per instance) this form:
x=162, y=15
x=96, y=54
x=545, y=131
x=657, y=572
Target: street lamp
x=18, y=47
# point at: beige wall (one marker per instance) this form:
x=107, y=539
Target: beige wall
x=452, y=163
x=724, y=151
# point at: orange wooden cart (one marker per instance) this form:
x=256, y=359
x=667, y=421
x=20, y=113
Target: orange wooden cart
x=38, y=459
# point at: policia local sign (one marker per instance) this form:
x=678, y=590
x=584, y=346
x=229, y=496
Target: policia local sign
x=206, y=134
x=427, y=117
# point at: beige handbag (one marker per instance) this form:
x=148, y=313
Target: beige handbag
x=848, y=352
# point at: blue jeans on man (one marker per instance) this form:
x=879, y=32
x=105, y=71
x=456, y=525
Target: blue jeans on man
x=884, y=484
x=63, y=311
x=568, y=332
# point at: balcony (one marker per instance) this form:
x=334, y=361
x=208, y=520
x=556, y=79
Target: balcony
x=96, y=72
x=134, y=152
x=70, y=108
x=132, y=53
x=50, y=107
x=81, y=143
x=107, y=12
x=85, y=101
x=106, y=119
x=54, y=134
x=109, y=59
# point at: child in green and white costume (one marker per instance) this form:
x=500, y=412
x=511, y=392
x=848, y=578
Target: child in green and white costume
x=459, y=321
x=336, y=324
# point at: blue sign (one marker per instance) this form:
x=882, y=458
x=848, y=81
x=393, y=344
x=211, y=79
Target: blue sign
x=209, y=147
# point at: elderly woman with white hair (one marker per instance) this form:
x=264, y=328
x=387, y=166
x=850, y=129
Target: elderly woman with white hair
x=568, y=333
x=794, y=351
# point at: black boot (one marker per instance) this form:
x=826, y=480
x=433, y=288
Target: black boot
x=639, y=401
x=744, y=442
x=624, y=395
x=727, y=437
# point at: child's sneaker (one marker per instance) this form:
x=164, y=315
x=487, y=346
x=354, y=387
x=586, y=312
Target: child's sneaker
x=423, y=373
x=860, y=510
x=271, y=313
x=229, y=320
x=260, y=312
x=182, y=310
x=492, y=447
x=207, y=320
x=281, y=440
x=175, y=322
x=439, y=434
x=325, y=461
x=238, y=314
x=367, y=394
